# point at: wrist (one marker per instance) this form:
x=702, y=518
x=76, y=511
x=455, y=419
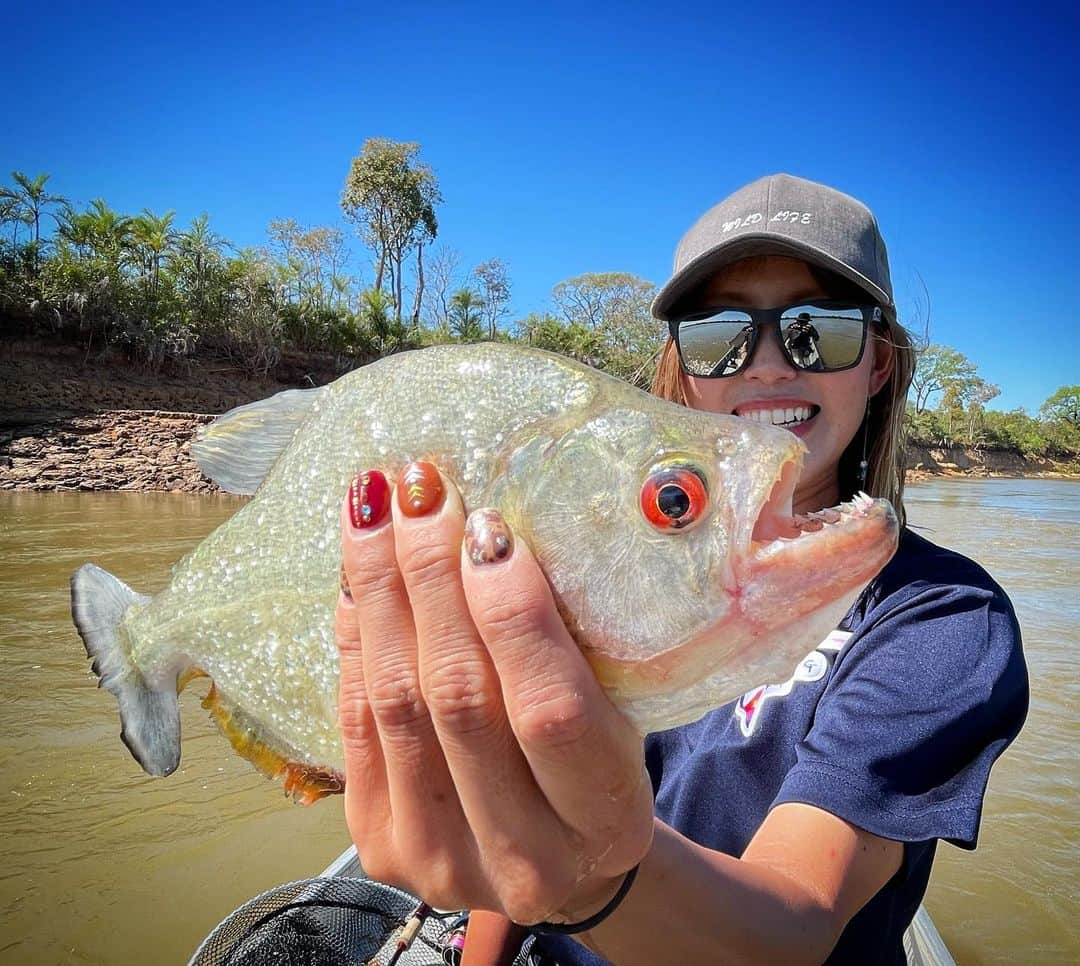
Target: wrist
x=585, y=912
x=590, y=899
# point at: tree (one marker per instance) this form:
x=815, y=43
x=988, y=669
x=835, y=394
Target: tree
x=384, y=329
x=567, y=338
x=11, y=212
x=197, y=257
x=153, y=237
x=615, y=306
x=391, y=195
x=466, y=318
x=1063, y=406
x=940, y=368
x=494, y=285
x=30, y=199
x=441, y=276
x=979, y=394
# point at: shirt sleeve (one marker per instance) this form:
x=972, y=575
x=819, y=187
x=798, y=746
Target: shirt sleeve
x=926, y=695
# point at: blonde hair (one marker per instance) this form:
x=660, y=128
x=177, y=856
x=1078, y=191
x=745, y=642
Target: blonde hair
x=882, y=427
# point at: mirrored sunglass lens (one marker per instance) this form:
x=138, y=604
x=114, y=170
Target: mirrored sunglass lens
x=819, y=339
x=715, y=346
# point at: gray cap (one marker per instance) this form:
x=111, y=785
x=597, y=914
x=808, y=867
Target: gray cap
x=783, y=215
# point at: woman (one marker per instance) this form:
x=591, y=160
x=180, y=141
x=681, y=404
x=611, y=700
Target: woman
x=486, y=769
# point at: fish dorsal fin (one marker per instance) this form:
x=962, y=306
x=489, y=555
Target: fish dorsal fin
x=238, y=448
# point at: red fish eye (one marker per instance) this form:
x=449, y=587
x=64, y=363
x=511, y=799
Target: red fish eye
x=673, y=497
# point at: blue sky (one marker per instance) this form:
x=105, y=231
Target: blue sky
x=570, y=138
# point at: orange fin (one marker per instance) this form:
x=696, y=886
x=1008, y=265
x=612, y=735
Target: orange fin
x=303, y=783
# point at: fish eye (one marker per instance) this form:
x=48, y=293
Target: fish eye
x=674, y=496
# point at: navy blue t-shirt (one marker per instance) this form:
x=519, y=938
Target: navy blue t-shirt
x=891, y=723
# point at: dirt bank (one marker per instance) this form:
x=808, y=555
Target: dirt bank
x=68, y=422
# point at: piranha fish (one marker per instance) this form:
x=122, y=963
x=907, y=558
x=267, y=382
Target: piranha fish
x=667, y=535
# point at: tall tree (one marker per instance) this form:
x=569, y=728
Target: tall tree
x=154, y=238
x=941, y=369
x=494, y=282
x=391, y=195
x=979, y=394
x=30, y=201
x=1063, y=406
x=441, y=283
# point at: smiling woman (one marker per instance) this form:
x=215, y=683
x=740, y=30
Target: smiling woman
x=877, y=441
x=486, y=769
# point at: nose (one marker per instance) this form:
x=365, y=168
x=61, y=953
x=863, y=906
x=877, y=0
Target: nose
x=769, y=364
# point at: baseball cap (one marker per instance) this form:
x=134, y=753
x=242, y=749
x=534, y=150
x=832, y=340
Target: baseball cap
x=783, y=215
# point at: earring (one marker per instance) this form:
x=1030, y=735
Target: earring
x=864, y=465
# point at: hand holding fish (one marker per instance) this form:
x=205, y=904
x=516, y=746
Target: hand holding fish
x=485, y=766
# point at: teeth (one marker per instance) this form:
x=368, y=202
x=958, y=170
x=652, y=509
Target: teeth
x=859, y=505
x=779, y=417
x=828, y=515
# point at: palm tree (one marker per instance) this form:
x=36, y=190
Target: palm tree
x=11, y=210
x=154, y=238
x=30, y=201
x=108, y=231
x=197, y=252
x=466, y=322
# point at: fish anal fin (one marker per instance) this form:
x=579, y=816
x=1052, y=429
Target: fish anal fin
x=304, y=783
x=309, y=783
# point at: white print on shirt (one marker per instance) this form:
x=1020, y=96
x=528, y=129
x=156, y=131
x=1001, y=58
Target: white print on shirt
x=792, y=217
x=811, y=668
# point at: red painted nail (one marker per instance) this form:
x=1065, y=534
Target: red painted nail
x=419, y=488
x=369, y=499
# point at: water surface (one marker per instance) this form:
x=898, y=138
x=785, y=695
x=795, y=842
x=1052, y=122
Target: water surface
x=105, y=865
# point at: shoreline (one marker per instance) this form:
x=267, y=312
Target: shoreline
x=71, y=423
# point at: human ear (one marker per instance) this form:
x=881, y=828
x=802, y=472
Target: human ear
x=884, y=357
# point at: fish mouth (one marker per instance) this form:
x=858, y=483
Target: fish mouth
x=810, y=559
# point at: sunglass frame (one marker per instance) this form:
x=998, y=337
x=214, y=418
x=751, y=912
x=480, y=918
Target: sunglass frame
x=759, y=318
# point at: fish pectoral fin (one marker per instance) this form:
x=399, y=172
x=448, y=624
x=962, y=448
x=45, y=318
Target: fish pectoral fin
x=149, y=715
x=304, y=783
x=238, y=448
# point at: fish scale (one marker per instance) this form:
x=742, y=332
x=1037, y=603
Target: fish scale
x=564, y=452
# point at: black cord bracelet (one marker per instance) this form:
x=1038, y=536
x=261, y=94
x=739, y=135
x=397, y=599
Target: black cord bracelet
x=570, y=928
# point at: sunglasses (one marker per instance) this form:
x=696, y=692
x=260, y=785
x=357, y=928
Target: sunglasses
x=821, y=336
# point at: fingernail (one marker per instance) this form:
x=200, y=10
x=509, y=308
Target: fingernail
x=343, y=583
x=487, y=537
x=419, y=488
x=369, y=499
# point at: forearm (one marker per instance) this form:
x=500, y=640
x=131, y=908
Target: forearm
x=690, y=904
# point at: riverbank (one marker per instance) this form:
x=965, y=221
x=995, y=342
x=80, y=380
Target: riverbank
x=70, y=422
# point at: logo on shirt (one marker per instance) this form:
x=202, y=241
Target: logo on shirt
x=811, y=668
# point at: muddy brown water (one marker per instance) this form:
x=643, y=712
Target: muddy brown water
x=102, y=864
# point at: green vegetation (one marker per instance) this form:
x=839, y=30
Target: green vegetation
x=961, y=418
x=164, y=295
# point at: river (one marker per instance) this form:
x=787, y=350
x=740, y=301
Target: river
x=104, y=865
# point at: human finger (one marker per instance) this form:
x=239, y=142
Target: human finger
x=367, y=802
x=429, y=841
x=522, y=845
x=586, y=758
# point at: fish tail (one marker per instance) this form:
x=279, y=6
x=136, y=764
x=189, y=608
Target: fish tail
x=149, y=716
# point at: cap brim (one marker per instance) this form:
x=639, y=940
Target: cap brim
x=682, y=283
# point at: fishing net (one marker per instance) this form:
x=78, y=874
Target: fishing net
x=337, y=922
